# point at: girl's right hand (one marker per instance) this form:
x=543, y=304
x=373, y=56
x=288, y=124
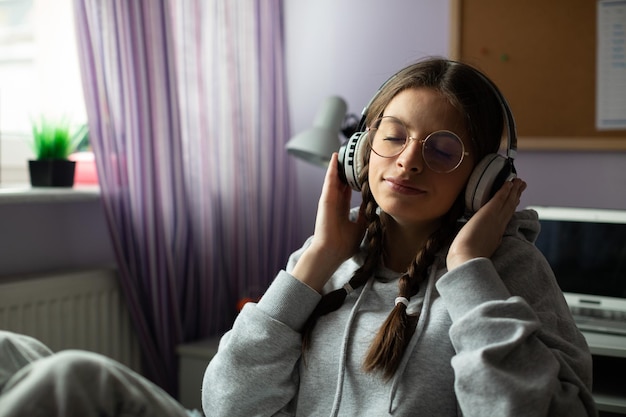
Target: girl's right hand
x=335, y=238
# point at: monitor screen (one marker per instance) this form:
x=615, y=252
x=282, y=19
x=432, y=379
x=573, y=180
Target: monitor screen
x=588, y=257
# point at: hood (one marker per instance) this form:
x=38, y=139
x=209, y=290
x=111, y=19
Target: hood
x=524, y=225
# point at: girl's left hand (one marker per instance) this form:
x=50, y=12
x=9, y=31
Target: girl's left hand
x=482, y=234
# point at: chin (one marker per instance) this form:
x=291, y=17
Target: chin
x=404, y=213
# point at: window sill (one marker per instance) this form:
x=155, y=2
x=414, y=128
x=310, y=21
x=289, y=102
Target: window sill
x=20, y=194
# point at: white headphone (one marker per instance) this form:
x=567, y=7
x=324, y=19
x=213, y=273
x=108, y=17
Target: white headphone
x=487, y=177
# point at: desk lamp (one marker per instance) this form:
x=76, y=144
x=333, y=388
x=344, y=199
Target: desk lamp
x=316, y=145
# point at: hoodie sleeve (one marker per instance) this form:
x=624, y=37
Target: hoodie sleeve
x=518, y=351
x=262, y=350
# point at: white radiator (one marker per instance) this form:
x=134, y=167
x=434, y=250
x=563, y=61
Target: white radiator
x=74, y=310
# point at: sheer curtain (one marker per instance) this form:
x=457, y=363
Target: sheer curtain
x=188, y=120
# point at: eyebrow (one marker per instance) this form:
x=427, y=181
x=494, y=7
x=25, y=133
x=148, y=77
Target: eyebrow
x=409, y=127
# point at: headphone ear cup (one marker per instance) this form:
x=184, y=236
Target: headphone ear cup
x=351, y=159
x=486, y=179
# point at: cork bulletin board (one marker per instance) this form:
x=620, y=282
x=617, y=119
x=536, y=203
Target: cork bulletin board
x=542, y=54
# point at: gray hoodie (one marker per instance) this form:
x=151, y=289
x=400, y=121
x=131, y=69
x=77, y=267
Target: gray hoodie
x=494, y=338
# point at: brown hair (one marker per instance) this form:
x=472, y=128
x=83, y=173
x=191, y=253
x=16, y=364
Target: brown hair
x=474, y=95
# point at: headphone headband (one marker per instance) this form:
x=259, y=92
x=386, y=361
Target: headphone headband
x=488, y=175
x=511, y=130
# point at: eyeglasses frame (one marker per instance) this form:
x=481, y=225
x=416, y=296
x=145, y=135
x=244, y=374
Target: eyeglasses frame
x=422, y=142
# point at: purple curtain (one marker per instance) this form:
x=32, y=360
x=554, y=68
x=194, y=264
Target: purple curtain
x=188, y=120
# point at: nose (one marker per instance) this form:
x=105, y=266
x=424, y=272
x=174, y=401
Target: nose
x=411, y=157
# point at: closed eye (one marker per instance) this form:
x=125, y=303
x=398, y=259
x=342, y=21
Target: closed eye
x=393, y=139
x=440, y=153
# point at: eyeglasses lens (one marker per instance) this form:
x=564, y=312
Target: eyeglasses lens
x=442, y=150
x=388, y=136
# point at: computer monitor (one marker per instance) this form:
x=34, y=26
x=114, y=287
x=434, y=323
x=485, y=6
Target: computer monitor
x=587, y=250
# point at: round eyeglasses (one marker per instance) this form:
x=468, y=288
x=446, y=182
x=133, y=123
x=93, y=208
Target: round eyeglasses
x=443, y=150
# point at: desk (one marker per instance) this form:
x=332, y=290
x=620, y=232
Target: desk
x=609, y=372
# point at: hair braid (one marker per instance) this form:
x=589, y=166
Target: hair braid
x=385, y=352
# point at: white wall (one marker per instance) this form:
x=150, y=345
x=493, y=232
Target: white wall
x=58, y=235
x=350, y=47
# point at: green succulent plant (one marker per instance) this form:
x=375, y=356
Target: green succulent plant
x=54, y=139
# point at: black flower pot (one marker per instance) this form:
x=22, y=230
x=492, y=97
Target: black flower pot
x=52, y=172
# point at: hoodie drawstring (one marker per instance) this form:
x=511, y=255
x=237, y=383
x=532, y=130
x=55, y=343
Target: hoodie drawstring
x=344, y=349
x=421, y=322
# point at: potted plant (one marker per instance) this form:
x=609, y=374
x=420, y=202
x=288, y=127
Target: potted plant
x=52, y=143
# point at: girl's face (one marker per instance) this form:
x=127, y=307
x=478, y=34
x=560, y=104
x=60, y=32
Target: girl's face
x=403, y=186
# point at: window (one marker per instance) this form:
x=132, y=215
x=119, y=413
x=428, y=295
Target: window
x=39, y=75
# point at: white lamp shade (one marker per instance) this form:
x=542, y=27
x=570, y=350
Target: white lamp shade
x=317, y=144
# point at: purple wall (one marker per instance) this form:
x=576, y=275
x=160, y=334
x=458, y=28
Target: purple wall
x=350, y=47
x=574, y=179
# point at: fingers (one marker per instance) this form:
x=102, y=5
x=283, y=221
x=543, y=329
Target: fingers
x=482, y=234
x=332, y=173
x=517, y=187
x=334, y=203
x=500, y=209
x=498, y=212
x=508, y=197
x=335, y=192
x=332, y=166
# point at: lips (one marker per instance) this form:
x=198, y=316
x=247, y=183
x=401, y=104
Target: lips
x=403, y=186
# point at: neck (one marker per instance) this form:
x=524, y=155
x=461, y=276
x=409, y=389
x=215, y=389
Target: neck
x=404, y=242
